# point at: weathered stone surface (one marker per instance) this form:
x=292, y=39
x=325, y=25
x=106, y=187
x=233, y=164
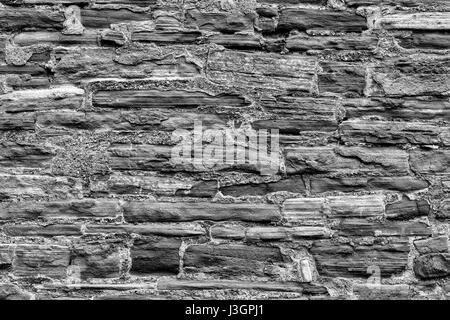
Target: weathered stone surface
x=423, y=75
x=13, y=154
x=94, y=18
x=32, y=230
x=304, y=43
x=37, y=186
x=285, y=234
x=344, y=260
x=305, y=19
x=352, y=184
x=98, y=259
x=230, y=259
x=177, y=212
x=364, y=227
x=434, y=265
x=432, y=245
x=344, y=78
x=346, y=160
x=408, y=108
x=9, y=291
x=33, y=260
x=425, y=40
x=6, y=256
x=23, y=122
x=66, y=121
x=27, y=18
x=121, y=184
x=382, y=292
x=392, y=133
x=155, y=255
x=24, y=77
x=294, y=185
x=172, y=284
x=88, y=208
x=65, y=97
x=444, y=209
x=407, y=209
x=163, y=98
x=416, y=21
x=218, y=21
x=430, y=162
x=149, y=229
x=80, y=64
x=33, y=38
x=158, y=36
x=264, y=71
x=296, y=115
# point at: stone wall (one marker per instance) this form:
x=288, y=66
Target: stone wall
x=92, y=207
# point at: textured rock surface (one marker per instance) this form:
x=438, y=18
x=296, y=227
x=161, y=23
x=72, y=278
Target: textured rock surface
x=93, y=207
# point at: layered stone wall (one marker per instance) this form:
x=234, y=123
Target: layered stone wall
x=93, y=207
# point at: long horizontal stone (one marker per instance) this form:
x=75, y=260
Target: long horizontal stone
x=160, y=37
x=229, y=260
x=406, y=209
x=315, y=211
x=14, y=122
x=431, y=4
x=432, y=245
x=425, y=40
x=352, y=184
x=104, y=17
x=121, y=184
x=78, y=64
x=363, y=227
x=175, y=284
x=285, y=233
x=417, y=75
x=177, y=212
x=407, y=108
x=29, y=76
x=30, y=38
x=294, y=185
x=13, y=154
x=343, y=260
x=392, y=133
x=262, y=70
x=149, y=229
x=86, y=208
x=342, y=78
x=6, y=256
x=131, y=120
x=416, y=21
x=26, y=18
x=33, y=230
x=306, y=19
x=37, y=186
x=378, y=291
x=346, y=160
x=219, y=21
x=293, y=115
x=163, y=99
x=304, y=42
x=65, y=97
